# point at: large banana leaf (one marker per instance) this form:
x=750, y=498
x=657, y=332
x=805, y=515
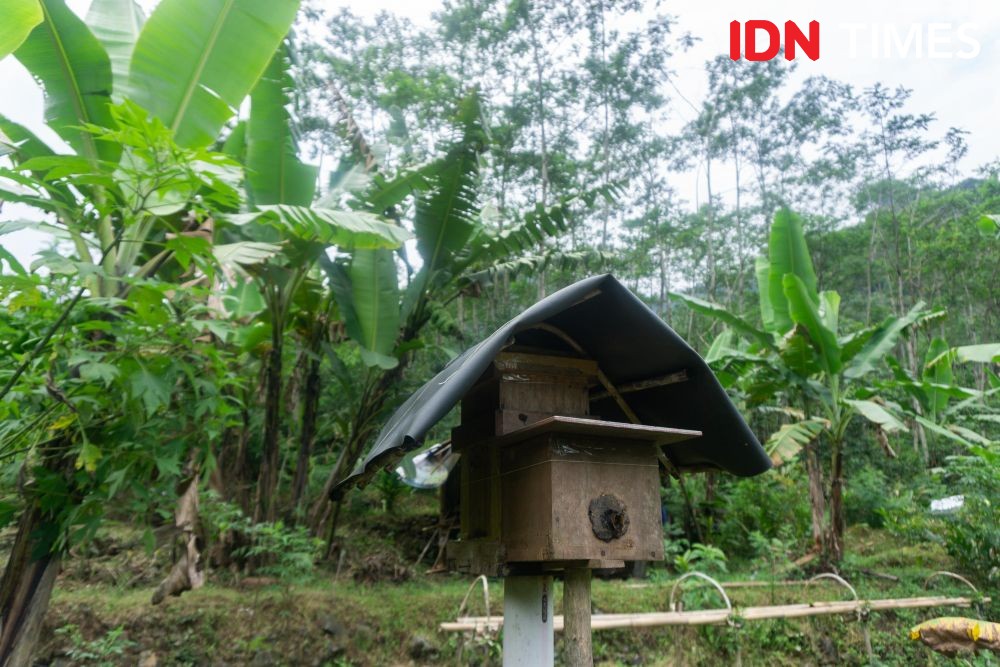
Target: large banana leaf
x=196, y=60
x=878, y=415
x=347, y=229
x=274, y=172
x=788, y=254
x=73, y=68
x=803, y=310
x=386, y=193
x=117, y=24
x=785, y=443
x=372, y=309
x=28, y=145
x=244, y=253
x=941, y=430
x=829, y=311
x=19, y=18
x=852, y=343
x=882, y=342
x=235, y=145
x=798, y=354
x=720, y=313
x=987, y=353
x=937, y=374
x=447, y=217
x=762, y=267
x=722, y=344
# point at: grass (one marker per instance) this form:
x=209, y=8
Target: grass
x=339, y=622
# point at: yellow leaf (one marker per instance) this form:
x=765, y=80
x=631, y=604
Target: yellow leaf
x=63, y=422
x=88, y=457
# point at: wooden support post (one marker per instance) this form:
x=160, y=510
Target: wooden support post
x=576, y=611
x=528, y=622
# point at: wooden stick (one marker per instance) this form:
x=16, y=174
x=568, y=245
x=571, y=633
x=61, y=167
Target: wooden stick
x=721, y=616
x=879, y=575
x=601, y=377
x=576, y=607
x=662, y=381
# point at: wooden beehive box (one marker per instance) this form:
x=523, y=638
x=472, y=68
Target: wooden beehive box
x=515, y=391
x=544, y=482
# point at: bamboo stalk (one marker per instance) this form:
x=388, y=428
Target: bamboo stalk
x=721, y=616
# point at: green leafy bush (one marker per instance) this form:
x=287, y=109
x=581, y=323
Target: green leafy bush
x=700, y=557
x=866, y=496
x=909, y=519
x=390, y=487
x=972, y=535
x=105, y=651
x=773, y=505
x=285, y=552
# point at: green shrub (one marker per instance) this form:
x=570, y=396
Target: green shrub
x=972, y=535
x=866, y=497
x=285, y=552
x=774, y=505
x=701, y=557
x=909, y=519
x=105, y=651
x=389, y=487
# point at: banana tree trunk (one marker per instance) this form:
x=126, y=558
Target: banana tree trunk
x=817, y=501
x=267, y=483
x=310, y=408
x=834, y=541
x=25, y=591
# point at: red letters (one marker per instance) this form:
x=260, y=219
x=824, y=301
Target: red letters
x=773, y=38
x=794, y=37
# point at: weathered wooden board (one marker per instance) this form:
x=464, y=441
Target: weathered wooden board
x=548, y=484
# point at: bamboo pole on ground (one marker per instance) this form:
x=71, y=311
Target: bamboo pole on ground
x=721, y=616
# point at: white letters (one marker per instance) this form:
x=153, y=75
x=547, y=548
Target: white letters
x=963, y=36
x=931, y=41
x=913, y=36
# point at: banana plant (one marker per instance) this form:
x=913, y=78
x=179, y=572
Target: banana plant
x=189, y=66
x=139, y=194
x=800, y=358
x=458, y=252
x=940, y=406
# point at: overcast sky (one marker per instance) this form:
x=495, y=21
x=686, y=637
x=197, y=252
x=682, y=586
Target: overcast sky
x=954, y=74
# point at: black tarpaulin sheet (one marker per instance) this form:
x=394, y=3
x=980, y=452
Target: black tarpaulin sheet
x=630, y=343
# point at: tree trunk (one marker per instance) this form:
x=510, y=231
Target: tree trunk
x=25, y=591
x=834, y=542
x=30, y=573
x=267, y=483
x=310, y=408
x=817, y=502
x=188, y=571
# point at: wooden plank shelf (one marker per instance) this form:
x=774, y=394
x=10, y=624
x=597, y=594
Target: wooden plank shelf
x=580, y=426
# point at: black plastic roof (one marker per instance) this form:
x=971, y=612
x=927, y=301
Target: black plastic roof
x=630, y=343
